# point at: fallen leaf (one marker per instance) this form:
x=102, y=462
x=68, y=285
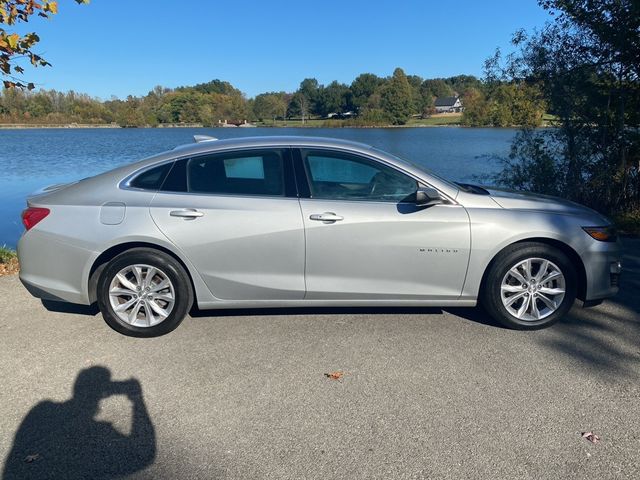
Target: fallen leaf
x=32, y=458
x=334, y=375
x=592, y=437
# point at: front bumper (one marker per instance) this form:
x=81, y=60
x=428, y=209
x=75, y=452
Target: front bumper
x=603, y=266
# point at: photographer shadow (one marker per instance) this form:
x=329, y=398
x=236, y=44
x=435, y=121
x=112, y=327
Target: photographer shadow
x=63, y=440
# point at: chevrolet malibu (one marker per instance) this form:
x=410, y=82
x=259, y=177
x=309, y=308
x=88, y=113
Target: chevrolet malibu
x=295, y=221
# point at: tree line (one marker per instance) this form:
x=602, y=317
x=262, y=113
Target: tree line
x=368, y=100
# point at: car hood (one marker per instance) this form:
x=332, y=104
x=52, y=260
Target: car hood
x=517, y=200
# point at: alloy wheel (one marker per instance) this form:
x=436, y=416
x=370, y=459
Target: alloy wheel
x=533, y=289
x=142, y=295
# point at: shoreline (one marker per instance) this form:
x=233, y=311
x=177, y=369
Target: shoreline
x=24, y=126
x=306, y=127
x=27, y=126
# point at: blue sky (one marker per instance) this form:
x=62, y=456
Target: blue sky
x=120, y=47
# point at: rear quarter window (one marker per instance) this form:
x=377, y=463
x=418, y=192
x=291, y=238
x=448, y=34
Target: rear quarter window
x=176, y=180
x=151, y=179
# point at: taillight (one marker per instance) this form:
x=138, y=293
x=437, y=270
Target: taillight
x=32, y=215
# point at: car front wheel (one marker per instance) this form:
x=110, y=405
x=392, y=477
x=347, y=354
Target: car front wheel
x=529, y=286
x=144, y=293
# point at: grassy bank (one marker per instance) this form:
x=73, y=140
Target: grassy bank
x=438, y=120
x=8, y=261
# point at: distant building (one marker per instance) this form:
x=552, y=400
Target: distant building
x=234, y=123
x=448, y=105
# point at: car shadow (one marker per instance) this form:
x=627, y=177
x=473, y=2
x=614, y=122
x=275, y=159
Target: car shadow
x=472, y=314
x=476, y=315
x=64, y=307
x=64, y=440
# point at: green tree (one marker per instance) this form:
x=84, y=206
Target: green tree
x=40, y=105
x=461, y=83
x=310, y=89
x=504, y=104
x=129, y=114
x=334, y=98
x=396, y=98
x=363, y=87
x=436, y=87
x=587, y=65
x=180, y=107
x=475, y=108
x=418, y=101
x=14, y=46
x=532, y=165
x=269, y=105
x=214, y=86
x=152, y=103
x=300, y=106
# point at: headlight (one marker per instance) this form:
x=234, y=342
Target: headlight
x=602, y=234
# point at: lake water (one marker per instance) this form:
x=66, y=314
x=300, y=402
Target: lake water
x=33, y=158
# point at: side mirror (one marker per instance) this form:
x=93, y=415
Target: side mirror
x=426, y=196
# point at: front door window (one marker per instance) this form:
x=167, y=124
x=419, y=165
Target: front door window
x=341, y=176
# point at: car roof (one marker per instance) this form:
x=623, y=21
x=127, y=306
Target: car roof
x=269, y=141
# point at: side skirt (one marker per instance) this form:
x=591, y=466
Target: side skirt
x=466, y=302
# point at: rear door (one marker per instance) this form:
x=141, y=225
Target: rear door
x=365, y=237
x=237, y=218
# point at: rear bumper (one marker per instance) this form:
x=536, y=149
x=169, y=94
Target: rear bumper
x=38, y=292
x=51, y=269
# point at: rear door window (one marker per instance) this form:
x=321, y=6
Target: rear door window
x=255, y=172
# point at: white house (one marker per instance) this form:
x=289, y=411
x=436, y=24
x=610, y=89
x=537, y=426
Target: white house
x=448, y=105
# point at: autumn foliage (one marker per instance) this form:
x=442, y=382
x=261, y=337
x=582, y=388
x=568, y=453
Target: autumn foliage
x=15, y=47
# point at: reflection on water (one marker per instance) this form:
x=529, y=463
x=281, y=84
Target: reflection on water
x=31, y=159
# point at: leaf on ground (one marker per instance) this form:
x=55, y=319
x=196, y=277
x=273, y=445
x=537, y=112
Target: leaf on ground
x=592, y=437
x=334, y=375
x=32, y=458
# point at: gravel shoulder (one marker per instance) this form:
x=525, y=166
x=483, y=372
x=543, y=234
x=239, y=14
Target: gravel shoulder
x=426, y=393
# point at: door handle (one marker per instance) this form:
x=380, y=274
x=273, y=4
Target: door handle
x=186, y=213
x=327, y=217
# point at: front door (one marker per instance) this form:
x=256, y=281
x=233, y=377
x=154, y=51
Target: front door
x=237, y=218
x=365, y=239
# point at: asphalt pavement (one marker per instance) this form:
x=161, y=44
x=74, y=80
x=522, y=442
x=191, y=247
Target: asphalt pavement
x=422, y=393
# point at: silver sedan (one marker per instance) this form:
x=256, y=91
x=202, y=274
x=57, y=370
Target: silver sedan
x=295, y=221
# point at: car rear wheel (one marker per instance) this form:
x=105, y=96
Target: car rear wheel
x=144, y=293
x=529, y=286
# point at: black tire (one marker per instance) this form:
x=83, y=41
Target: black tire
x=183, y=293
x=490, y=295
